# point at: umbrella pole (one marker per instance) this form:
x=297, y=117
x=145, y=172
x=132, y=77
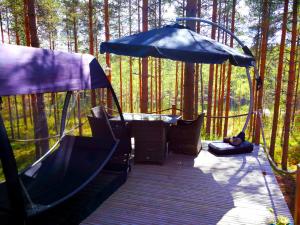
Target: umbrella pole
x=246, y=50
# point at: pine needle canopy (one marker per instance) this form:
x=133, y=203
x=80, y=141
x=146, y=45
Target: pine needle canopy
x=26, y=70
x=176, y=42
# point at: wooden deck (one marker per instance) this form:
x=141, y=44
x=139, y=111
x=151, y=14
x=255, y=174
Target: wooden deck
x=204, y=190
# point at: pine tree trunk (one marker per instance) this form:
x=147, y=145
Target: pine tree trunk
x=107, y=56
x=17, y=117
x=1, y=28
x=159, y=64
x=23, y=96
x=211, y=73
x=11, y=123
x=151, y=85
x=159, y=86
x=144, y=103
x=140, y=84
x=181, y=85
x=176, y=84
x=91, y=42
x=130, y=63
x=189, y=82
x=264, y=42
x=227, y=106
x=196, y=95
x=255, y=92
x=120, y=58
x=26, y=23
x=297, y=84
x=156, y=84
x=215, y=100
x=279, y=79
x=40, y=119
x=7, y=26
x=290, y=89
x=75, y=36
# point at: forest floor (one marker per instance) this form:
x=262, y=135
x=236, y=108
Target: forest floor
x=287, y=185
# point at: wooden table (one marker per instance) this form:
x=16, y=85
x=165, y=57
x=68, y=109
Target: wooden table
x=150, y=135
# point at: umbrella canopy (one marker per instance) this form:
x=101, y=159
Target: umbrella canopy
x=176, y=42
x=26, y=70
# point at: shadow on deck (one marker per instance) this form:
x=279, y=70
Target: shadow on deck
x=202, y=190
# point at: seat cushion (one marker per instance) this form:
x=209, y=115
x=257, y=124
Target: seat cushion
x=221, y=148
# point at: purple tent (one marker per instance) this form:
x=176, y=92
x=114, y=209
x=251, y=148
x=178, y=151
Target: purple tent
x=64, y=171
x=26, y=70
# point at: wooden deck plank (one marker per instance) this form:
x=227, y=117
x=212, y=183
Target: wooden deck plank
x=203, y=190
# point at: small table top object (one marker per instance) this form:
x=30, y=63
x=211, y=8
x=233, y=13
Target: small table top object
x=170, y=119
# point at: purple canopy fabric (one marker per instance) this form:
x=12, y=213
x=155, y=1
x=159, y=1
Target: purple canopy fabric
x=178, y=43
x=26, y=70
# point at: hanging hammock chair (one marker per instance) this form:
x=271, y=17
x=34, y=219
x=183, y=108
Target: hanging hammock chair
x=74, y=160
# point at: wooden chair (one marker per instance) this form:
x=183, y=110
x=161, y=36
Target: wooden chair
x=122, y=156
x=185, y=136
x=150, y=141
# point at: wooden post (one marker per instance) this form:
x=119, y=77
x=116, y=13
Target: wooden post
x=297, y=197
x=173, y=110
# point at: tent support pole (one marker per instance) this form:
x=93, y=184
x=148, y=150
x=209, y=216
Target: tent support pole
x=64, y=113
x=10, y=171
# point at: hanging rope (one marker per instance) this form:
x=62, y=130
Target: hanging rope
x=273, y=164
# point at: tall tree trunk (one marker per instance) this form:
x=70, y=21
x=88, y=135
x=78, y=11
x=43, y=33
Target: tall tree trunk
x=144, y=103
x=176, y=84
x=91, y=42
x=290, y=88
x=17, y=116
x=181, y=85
x=159, y=86
x=151, y=86
x=297, y=84
x=215, y=99
x=196, y=95
x=156, y=84
x=26, y=23
x=75, y=36
x=39, y=117
x=130, y=64
x=1, y=28
x=11, y=123
x=139, y=60
x=279, y=79
x=7, y=26
x=227, y=106
x=189, y=82
x=120, y=57
x=211, y=73
x=159, y=64
x=23, y=96
x=107, y=56
x=258, y=56
x=264, y=42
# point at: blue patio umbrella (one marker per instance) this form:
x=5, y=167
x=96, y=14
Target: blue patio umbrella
x=176, y=42
x=180, y=43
